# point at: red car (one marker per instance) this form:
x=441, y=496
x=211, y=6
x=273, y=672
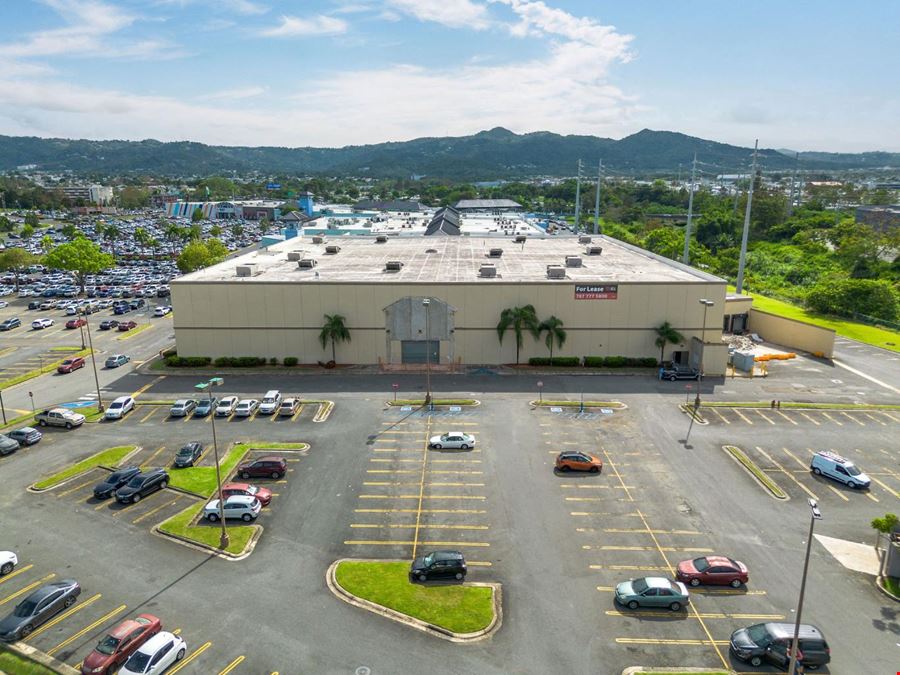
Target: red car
x=119, y=643
x=69, y=365
x=75, y=323
x=263, y=467
x=127, y=326
x=264, y=495
x=715, y=570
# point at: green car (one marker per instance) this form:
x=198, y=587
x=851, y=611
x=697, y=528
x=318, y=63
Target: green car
x=652, y=592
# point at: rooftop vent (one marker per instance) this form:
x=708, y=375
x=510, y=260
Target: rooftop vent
x=584, y=239
x=556, y=272
x=318, y=240
x=487, y=270
x=520, y=238
x=393, y=266
x=332, y=249
x=295, y=255
x=573, y=261
x=380, y=238
x=495, y=253
x=307, y=263
x=248, y=270
x=594, y=250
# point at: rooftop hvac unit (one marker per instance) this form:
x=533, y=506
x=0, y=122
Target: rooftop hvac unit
x=393, y=266
x=520, y=238
x=295, y=255
x=594, y=250
x=318, y=240
x=573, y=261
x=495, y=253
x=584, y=239
x=381, y=238
x=307, y=263
x=248, y=270
x=332, y=249
x=487, y=270
x=556, y=272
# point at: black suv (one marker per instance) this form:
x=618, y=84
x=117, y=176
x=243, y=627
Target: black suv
x=114, y=481
x=772, y=642
x=188, y=454
x=439, y=565
x=678, y=371
x=142, y=485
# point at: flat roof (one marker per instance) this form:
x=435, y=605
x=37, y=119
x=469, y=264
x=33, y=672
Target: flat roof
x=345, y=222
x=451, y=260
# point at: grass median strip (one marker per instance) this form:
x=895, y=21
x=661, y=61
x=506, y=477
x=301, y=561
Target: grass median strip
x=181, y=525
x=108, y=457
x=436, y=401
x=20, y=665
x=457, y=608
x=37, y=372
x=891, y=585
x=577, y=404
x=135, y=331
x=751, y=466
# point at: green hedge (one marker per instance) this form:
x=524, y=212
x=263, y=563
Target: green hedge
x=565, y=361
x=239, y=361
x=290, y=360
x=176, y=361
x=619, y=362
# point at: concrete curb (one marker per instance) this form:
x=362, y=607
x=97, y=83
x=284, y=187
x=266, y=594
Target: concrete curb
x=412, y=622
x=615, y=405
x=389, y=405
x=29, y=652
x=756, y=479
x=210, y=550
x=38, y=491
x=689, y=411
x=885, y=591
x=323, y=412
x=668, y=669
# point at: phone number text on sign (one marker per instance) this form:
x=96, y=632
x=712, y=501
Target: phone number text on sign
x=595, y=292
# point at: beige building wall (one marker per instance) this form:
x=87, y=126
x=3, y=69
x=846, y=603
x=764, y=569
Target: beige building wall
x=792, y=333
x=259, y=318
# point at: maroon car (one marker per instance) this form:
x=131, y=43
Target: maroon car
x=75, y=323
x=264, y=495
x=263, y=467
x=715, y=570
x=69, y=365
x=126, y=326
x=119, y=643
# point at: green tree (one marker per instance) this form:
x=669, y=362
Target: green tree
x=334, y=330
x=520, y=319
x=197, y=215
x=133, y=198
x=665, y=334
x=199, y=254
x=555, y=334
x=27, y=231
x=80, y=256
x=31, y=218
x=110, y=233
x=665, y=241
x=15, y=260
x=70, y=231
x=237, y=229
x=215, y=231
x=194, y=231
x=142, y=237
x=46, y=243
x=264, y=225
x=6, y=225
x=884, y=525
x=846, y=297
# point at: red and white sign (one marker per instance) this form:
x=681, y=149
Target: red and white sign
x=596, y=292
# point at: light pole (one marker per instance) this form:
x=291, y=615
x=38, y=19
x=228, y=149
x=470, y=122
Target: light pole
x=706, y=305
x=87, y=327
x=426, y=303
x=207, y=387
x=815, y=515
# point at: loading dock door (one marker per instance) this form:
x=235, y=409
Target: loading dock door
x=414, y=351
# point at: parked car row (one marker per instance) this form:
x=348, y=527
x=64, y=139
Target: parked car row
x=272, y=403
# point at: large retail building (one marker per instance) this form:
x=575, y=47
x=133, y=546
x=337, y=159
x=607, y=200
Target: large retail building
x=610, y=296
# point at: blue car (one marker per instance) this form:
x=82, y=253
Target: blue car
x=205, y=406
x=26, y=435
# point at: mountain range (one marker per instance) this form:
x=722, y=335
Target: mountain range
x=494, y=154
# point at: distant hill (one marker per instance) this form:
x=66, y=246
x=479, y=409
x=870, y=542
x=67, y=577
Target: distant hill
x=497, y=153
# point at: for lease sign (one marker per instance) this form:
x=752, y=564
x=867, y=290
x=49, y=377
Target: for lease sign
x=596, y=292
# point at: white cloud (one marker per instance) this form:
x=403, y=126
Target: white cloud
x=455, y=13
x=234, y=94
x=294, y=26
x=246, y=7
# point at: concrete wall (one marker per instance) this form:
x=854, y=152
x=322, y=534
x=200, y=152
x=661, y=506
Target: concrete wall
x=791, y=333
x=281, y=319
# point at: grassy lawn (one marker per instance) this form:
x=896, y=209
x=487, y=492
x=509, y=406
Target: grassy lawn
x=18, y=665
x=738, y=454
x=879, y=337
x=577, y=404
x=16, y=421
x=892, y=585
x=109, y=457
x=180, y=524
x=436, y=401
x=47, y=368
x=461, y=609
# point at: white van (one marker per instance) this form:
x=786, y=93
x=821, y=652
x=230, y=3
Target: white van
x=834, y=466
x=270, y=403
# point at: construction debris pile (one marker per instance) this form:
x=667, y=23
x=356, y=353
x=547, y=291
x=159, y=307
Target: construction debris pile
x=741, y=343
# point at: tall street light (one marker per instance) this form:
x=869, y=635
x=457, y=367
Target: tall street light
x=426, y=303
x=815, y=515
x=706, y=305
x=87, y=329
x=207, y=387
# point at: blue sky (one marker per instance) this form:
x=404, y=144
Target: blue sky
x=804, y=75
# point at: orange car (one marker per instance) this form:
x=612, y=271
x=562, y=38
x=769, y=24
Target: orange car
x=578, y=461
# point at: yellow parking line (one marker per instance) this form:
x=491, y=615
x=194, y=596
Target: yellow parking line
x=646, y=531
x=695, y=615
x=177, y=631
x=849, y=416
x=886, y=487
x=668, y=549
x=410, y=526
x=838, y=492
x=65, y=615
x=637, y=568
x=76, y=488
x=887, y=414
x=152, y=511
x=826, y=415
x=29, y=587
x=416, y=510
x=725, y=591
x=231, y=666
x=153, y=410
x=152, y=457
x=811, y=419
x=404, y=461
x=802, y=464
x=396, y=483
x=297, y=414
x=473, y=497
x=721, y=416
x=742, y=416
x=148, y=386
x=786, y=417
x=185, y=419
x=874, y=419
x=197, y=652
x=787, y=473
x=87, y=629
x=402, y=542
x=760, y=413
x=16, y=573
x=664, y=641
x=479, y=563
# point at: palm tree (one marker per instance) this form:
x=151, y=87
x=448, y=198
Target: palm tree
x=237, y=229
x=666, y=333
x=555, y=333
x=46, y=243
x=334, y=330
x=519, y=319
x=110, y=232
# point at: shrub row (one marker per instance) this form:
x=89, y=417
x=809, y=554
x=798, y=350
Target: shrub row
x=565, y=361
x=239, y=361
x=595, y=361
x=175, y=361
x=290, y=360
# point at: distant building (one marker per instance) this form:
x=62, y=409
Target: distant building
x=493, y=206
x=879, y=217
x=398, y=205
x=93, y=194
x=445, y=222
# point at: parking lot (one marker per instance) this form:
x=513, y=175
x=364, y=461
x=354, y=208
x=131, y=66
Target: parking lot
x=796, y=417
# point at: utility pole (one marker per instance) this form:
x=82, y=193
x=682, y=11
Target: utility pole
x=578, y=197
x=743, y=259
x=597, y=199
x=686, y=257
x=790, y=204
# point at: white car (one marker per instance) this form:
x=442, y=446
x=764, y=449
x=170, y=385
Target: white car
x=3, y=303
x=246, y=407
x=270, y=403
x=226, y=406
x=162, y=310
x=245, y=507
x=119, y=408
x=454, y=440
x=8, y=561
x=71, y=310
x=155, y=655
x=44, y=322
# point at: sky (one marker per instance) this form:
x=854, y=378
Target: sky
x=800, y=75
